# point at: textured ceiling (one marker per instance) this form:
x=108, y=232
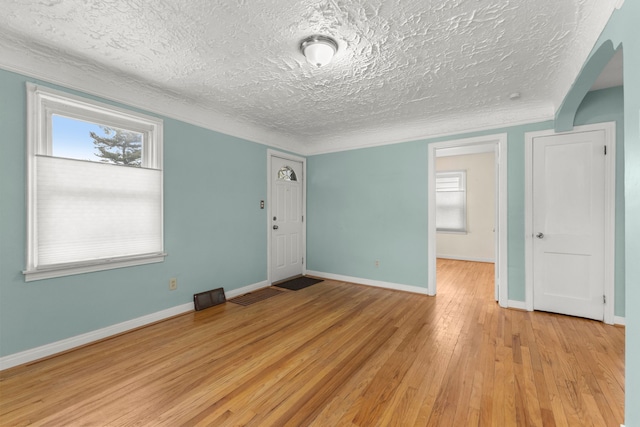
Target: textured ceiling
x=404, y=68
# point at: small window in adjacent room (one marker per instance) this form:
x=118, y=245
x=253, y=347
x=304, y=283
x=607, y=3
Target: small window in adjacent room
x=451, y=201
x=94, y=188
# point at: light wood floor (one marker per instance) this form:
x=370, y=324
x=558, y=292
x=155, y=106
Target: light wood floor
x=338, y=354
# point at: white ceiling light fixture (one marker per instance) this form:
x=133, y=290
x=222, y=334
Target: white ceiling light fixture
x=318, y=50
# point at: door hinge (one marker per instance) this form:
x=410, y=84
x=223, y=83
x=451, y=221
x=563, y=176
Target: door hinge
x=604, y=299
x=605, y=150
x=302, y=218
x=302, y=260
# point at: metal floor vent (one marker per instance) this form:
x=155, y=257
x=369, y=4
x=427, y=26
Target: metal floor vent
x=208, y=299
x=256, y=296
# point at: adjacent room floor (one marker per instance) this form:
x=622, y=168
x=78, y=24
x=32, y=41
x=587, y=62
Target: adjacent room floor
x=337, y=354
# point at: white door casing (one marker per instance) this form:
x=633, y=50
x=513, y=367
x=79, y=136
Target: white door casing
x=286, y=213
x=570, y=222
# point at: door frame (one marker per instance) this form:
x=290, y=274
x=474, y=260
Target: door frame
x=500, y=143
x=282, y=155
x=609, y=129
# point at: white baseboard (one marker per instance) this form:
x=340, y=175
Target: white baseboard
x=619, y=320
x=465, y=258
x=516, y=304
x=369, y=282
x=47, y=350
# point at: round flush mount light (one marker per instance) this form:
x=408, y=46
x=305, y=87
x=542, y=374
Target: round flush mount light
x=318, y=50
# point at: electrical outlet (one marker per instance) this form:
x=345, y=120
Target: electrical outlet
x=377, y=263
x=173, y=284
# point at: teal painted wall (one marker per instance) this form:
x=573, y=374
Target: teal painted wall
x=368, y=205
x=371, y=204
x=622, y=29
x=215, y=234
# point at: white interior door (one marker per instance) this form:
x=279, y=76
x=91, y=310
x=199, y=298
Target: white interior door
x=569, y=223
x=286, y=218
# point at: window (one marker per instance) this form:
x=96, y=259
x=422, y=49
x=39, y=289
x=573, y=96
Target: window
x=287, y=174
x=451, y=201
x=94, y=186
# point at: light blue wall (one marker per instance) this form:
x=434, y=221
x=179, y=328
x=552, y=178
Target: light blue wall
x=622, y=29
x=215, y=234
x=371, y=204
x=368, y=205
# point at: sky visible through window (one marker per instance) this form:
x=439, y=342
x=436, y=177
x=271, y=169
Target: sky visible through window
x=71, y=138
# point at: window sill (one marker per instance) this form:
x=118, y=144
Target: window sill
x=450, y=232
x=90, y=267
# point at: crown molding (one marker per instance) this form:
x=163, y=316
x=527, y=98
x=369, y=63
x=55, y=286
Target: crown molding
x=468, y=123
x=71, y=73
x=74, y=74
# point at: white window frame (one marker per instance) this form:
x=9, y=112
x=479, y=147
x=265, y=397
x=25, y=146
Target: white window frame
x=461, y=175
x=42, y=104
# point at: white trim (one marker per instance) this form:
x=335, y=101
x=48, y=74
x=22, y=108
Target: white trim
x=68, y=270
x=610, y=224
x=609, y=129
x=464, y=233
x=274, y=153
x=47, y=350
x=502, y=244
x=100, y=83
x=370, y=282
x=528, y=221
x=619, y=320
x=465, y=258
x=138, y=96
x=51, y=349
x=516, y=304
x=465, y=150
x=499, y=142
x=369, y=138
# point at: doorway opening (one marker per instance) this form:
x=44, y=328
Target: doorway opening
x=496, y=146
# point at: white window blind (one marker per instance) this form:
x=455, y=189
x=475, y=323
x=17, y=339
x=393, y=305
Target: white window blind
x=451, y=201
x=96, y=211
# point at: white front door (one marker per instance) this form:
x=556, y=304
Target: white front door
x=286, y=218
x=569, y=223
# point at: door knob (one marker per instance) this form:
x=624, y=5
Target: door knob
x=275, y=227
x=540, y=235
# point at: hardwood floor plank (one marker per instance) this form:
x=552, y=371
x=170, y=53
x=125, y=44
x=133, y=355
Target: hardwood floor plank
x=338, y=354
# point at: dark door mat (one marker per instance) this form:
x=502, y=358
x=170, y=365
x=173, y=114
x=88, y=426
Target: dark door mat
x=256, y=296
x=298, y=283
